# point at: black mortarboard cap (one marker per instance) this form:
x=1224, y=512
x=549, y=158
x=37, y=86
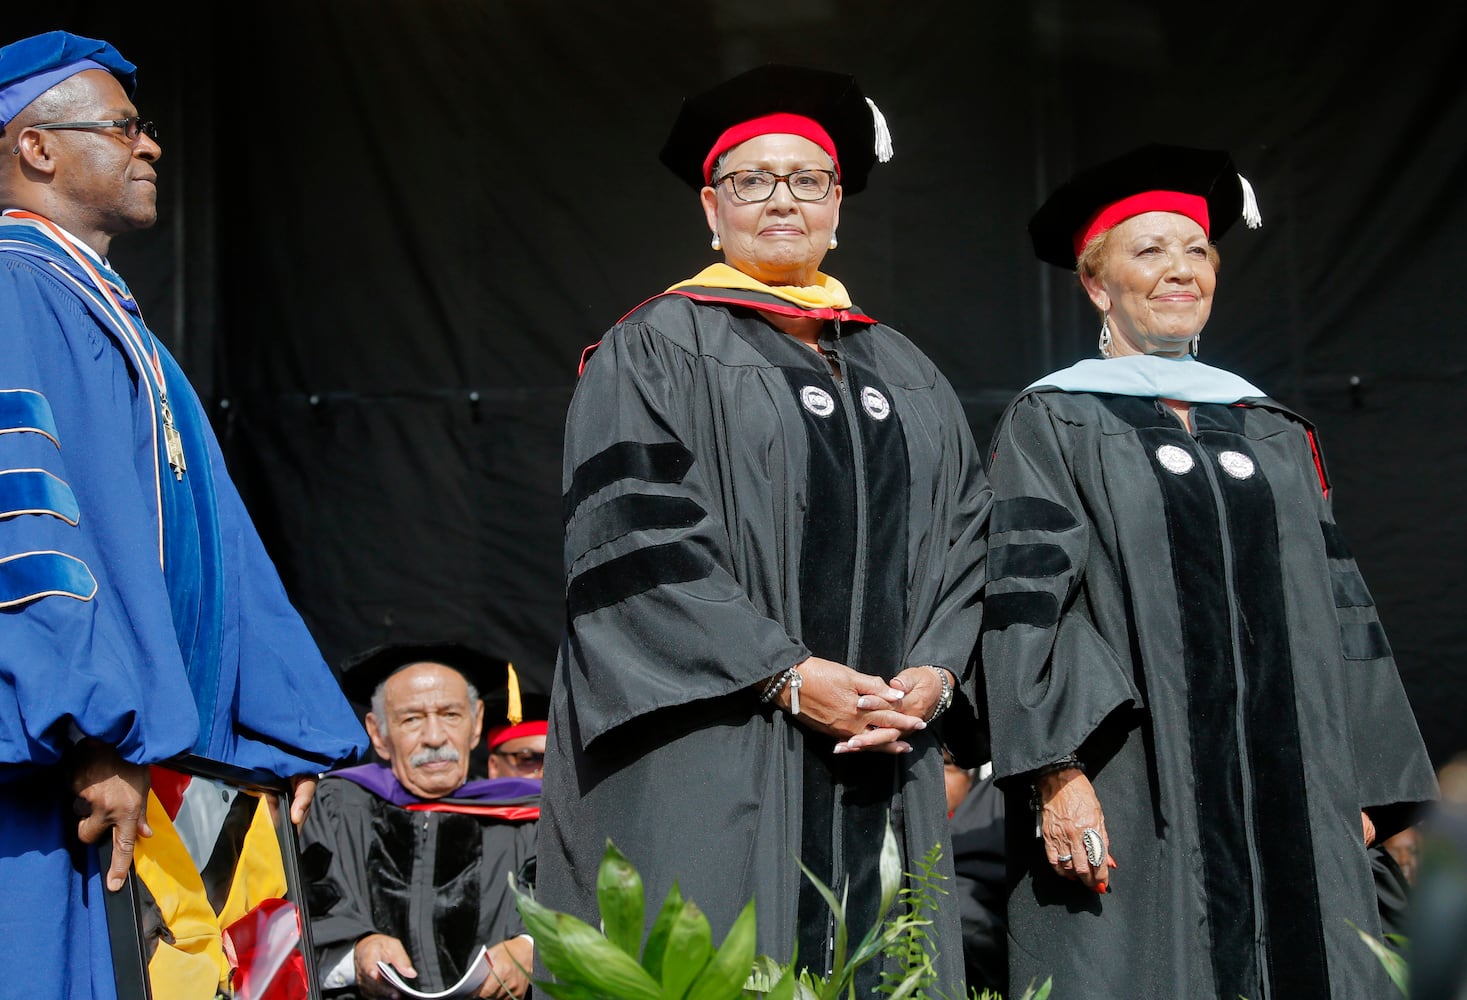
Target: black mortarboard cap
x=834, y=100
x=361, y=675
x=1206, y=173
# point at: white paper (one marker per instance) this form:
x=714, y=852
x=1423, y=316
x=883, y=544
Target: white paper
x=468, y=986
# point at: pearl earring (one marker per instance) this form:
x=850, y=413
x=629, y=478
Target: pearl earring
x=833, y=241
x=716, y=243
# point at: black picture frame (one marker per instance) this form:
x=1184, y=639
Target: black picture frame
x=124, y=907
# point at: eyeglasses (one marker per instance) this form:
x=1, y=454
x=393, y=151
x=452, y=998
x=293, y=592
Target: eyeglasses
x=131, y=128
x=526, y=759
x=759, y=185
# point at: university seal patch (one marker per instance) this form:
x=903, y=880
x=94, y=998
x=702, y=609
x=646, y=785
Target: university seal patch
x=817, y=401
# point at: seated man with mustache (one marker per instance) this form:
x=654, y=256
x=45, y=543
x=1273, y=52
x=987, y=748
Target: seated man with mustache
x=389, y=843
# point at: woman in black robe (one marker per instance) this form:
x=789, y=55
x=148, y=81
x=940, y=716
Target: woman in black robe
x=1186, y=676
x=774, y=516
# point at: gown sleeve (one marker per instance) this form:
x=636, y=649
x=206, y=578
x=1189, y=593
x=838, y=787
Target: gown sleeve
x=656, y=616
x=87, y=646
x=1394, y=774
x=955, y=572
x=1051, y=678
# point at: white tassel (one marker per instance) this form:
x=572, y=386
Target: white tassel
x=1252, y=218
x=883, y=134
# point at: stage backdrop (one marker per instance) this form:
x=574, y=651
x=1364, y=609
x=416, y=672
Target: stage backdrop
x=391, y=226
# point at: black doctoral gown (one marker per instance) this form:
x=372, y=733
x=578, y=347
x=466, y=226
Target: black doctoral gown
x=1182, y=610
x=436, y=880
x=733, y=508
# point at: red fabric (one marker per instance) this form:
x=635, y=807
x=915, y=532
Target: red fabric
x=1319, y=464
x=1192, y=206
x=503, y=734
x=783, y=122
x=168, y=786
x=264, y=948
x=512, y=814
x=779, y=309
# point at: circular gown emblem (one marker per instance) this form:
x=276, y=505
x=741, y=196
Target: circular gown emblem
x=874, y=403
x=1236, y=464
x=1174, y=459
x=817, y=401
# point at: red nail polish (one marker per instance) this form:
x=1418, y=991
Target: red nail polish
x=1102, y=888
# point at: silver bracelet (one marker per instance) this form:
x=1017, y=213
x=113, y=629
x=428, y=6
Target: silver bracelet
x=945, y=699
x=775, y=685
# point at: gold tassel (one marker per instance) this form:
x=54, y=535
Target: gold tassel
x=516, y=713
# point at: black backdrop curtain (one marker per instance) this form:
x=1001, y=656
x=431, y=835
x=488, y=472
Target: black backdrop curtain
x=391, y=226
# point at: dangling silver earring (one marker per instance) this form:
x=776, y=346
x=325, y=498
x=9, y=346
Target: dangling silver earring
x=716, y=243
x=1196, y=344
x=833, y=241
x=1105, y=337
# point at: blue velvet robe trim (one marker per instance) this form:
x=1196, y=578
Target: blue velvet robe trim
x=200, y=650
x=26, y=410
x=37, y=574
x=35, y=491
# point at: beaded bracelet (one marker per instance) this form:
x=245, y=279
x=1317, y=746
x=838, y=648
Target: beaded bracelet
x=945, y=699
x=775, y=685
x=1064, y=763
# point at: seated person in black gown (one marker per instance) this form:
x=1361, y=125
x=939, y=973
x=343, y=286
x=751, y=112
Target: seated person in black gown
x=388, y=843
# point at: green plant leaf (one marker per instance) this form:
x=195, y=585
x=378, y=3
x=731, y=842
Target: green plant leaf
x=601, y=965
x=835, y=908
x=565, y=991
x=764, y=972
x=657, y=937
x=891, y=870
x=909, y=986
x=724, y=975
x=540, y=924
x=1394, y=964
x=620, y=897
x=1040, y=994
x=581, y=958
x=689, y=946
x=784, y=989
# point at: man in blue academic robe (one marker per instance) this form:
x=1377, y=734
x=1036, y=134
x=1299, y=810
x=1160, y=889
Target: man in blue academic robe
x=140, y=617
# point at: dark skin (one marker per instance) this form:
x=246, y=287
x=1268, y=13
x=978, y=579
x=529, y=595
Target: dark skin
x=112, y=795
x=96, y=184
x=1068, y=805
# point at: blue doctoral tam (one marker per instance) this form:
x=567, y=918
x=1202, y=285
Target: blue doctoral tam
x=32, y=66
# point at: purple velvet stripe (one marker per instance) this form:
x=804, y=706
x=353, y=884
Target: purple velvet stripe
x=381, y=782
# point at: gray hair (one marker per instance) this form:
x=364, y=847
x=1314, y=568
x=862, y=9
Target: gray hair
x=379, y=699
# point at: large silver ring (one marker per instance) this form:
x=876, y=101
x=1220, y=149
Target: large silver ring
x=1094, y=846
x=1064, y=859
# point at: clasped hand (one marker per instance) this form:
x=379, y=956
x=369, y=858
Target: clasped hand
x=862, y=711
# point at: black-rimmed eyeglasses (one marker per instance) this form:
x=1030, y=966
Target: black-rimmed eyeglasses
x=526, y=759
x=131, y=128
x=759, y=185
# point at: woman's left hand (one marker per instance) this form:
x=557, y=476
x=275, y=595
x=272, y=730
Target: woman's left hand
x=1069, y=807
x=921, y=687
